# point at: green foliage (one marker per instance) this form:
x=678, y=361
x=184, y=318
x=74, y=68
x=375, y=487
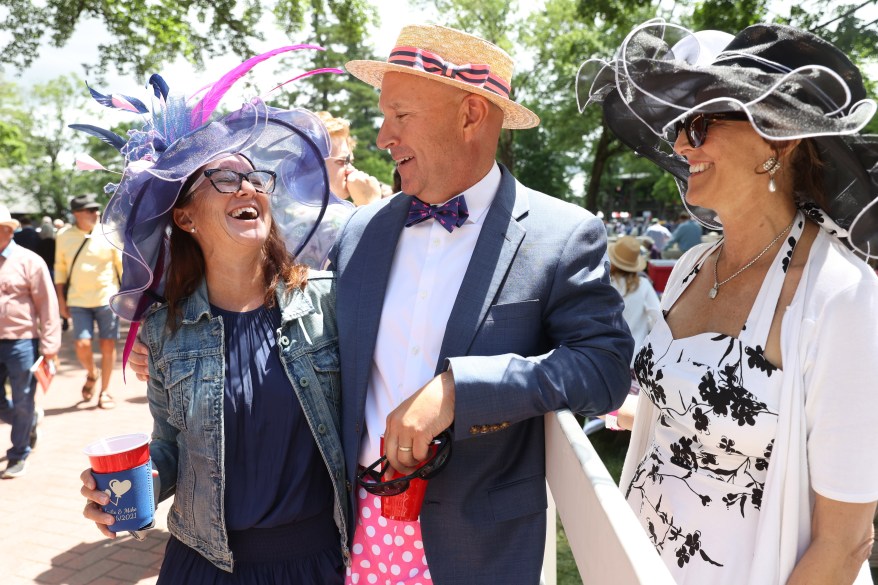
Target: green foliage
x=43, y=175
x=727, y=15
x=147, y=34
x=13, y=145
x=548, y=45
x=342, y=28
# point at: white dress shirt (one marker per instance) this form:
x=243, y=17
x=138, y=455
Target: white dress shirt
x=427, y=271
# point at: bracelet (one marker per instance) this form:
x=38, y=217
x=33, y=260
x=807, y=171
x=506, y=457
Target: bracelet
x=611, y=421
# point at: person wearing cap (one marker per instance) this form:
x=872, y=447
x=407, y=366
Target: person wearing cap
x=88, y=271
x=241, y=340
x=467, y=302
x=751, y=456
x=29, y=328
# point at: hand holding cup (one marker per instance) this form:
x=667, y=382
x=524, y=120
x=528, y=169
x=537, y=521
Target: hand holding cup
x=119, y=484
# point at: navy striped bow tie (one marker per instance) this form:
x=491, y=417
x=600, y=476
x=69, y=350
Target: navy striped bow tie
x=450, y=215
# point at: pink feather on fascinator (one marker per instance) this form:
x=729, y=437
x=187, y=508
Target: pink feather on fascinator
x=85, y=162
x=204, y=108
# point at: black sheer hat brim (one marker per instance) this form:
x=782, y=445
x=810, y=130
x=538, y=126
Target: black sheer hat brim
x=789, y=83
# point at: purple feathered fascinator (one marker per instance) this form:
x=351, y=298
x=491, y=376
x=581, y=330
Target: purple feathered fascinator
x=179, y=137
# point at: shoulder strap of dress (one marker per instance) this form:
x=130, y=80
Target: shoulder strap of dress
x=684, y=272
x=758, y=324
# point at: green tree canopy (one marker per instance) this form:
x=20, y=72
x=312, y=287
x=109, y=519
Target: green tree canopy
x=146, y=34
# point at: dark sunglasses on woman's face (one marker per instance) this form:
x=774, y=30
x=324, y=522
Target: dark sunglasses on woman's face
x=695, y=126
x=370, y=478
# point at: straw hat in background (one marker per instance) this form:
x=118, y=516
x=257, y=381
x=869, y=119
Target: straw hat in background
x=7, y=219
x=625, y=254
x=454, y=58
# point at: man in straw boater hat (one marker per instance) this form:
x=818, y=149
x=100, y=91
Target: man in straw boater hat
x=480, y=321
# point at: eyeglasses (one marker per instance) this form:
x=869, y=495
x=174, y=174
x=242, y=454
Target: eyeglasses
x=695, y=126
x=229, y=181
x=370, y=478
x=342, y=160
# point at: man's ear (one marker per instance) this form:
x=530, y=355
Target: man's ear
x=476, y=110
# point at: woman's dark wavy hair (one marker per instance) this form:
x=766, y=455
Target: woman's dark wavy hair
x=806, y=169
x=186, y=267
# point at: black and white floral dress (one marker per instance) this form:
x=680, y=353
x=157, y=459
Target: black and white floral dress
x=698, y=489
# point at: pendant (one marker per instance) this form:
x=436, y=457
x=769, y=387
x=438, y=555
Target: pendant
x=713, y=291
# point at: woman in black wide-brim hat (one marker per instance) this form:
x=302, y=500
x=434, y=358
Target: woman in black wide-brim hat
x=752, y=458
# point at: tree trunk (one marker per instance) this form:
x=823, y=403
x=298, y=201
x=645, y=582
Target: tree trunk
x=504, y=151
x=601, y=154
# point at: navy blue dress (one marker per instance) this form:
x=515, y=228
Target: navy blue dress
x=279, y=497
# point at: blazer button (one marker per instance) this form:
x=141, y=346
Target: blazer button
x=347, y=484
x=303, y=381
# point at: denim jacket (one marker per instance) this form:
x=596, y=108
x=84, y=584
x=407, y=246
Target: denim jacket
x=185, y=392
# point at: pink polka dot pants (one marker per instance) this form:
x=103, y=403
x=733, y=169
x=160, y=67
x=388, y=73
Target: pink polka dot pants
x=387, y=552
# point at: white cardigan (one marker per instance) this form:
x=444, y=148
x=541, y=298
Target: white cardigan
x=827, y=429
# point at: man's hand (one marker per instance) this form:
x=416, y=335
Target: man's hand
x=139, y=360
x=414, y=423
x=62, y=308
x=364, y=188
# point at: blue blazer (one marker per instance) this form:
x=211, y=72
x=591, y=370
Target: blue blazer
x=536, y=327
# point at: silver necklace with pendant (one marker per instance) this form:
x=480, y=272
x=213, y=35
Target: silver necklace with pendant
x=716, y=284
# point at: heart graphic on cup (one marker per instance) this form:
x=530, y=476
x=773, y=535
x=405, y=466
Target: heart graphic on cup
x=120, y=487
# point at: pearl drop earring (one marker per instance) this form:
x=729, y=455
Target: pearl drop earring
x=771, y=166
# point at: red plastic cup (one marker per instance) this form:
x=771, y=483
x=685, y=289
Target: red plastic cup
x=119, y=453
x=407, y=505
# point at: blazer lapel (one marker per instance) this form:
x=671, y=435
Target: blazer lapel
x=495, y=250
x=372, y=262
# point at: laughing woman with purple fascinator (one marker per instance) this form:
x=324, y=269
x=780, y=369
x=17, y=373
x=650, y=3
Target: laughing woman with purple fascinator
x=752, y=458
x=242, y=340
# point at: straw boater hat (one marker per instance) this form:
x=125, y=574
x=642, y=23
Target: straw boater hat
x=791, y=84
x=625, y=254
x=454, y=58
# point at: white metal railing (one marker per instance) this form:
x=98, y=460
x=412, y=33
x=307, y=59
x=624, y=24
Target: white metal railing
x=608, y=543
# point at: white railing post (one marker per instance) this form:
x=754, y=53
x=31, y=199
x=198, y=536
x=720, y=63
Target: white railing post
x=550, y=557
x=608, y=543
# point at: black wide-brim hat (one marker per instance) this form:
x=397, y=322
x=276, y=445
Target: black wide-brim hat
x=790, y=83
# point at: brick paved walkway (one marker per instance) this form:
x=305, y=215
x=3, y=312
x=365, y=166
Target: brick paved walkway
x=43, y=535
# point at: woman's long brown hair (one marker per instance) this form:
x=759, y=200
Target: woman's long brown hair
x=632, y=279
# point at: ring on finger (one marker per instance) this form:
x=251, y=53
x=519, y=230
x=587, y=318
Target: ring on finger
x=404, y=449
